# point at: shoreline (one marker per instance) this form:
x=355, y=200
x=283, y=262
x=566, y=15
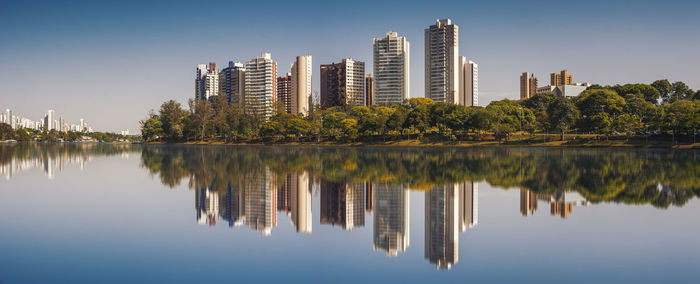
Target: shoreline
x=443, y=144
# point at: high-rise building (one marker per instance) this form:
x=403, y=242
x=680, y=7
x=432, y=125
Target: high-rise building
x=442, y=226
x=10, y=120
x=50, y=122
x=232, y=82
x=301, y=85
x=206, y=82
x=284, y=91
x=261, y=85
x=343, y=83
x=342, y=204
x=390, y=69
x=391, y=219
x=468, y=205
x=369, y=90
x=528, y=85
x=468, y=82
x=442, y=62
x=561, y=78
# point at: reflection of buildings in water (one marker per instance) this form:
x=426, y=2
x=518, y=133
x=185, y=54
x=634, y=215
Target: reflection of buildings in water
x=300, y=201
x=206, y=202
x=369, y=196
x=49, y=163
x=528, y=202
x=391, y=218
x=232, y=205
x=342, y=204
x=261, y=202
x=560, y=203
x=284, y=196
x=442, y=225
x=468, y=205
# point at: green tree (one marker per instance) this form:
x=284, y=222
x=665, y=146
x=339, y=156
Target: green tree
x=627, y=123
x=418, y=117
x=682, y=116
x=664, y=87
x=151, y=128
x=201, y=113
x=6, y=132
x=592, y=102
x=680, y=91
x=350, y=128
x=562, y=115
x=170, y=115
x=648, y=92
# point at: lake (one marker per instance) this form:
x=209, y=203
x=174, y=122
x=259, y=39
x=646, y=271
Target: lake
x=154, y=213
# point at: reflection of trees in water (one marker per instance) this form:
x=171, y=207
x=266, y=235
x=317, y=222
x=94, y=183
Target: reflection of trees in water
x=659, y=177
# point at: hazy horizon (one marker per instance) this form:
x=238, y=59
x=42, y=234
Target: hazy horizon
x=110, y=63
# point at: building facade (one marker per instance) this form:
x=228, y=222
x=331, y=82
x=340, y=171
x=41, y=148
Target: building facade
x=391, y=69
x=206, y=82
x=468, y=82
x=300, y=102
x=343, y=83
x=561, y=78
x=528, y=85
x=369, y=90
x=391, y=219
x=442, y=62
x=232, y=82
x=261, y=85
x=284, y=92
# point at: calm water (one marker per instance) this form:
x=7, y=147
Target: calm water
x=101, y=213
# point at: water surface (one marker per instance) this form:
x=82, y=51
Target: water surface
x=121, y=213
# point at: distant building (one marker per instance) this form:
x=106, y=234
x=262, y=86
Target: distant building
x=561, y=78
x=232, y=82
x=442, y=62
x=284, y=91
x=261, y=85
x=343, y=83
x=206, y=81
x=50, y=121
x=568, y=91
x=300, y=102
x=468, y=82
x=391, y=69
x=528, y=85
x=369, y=90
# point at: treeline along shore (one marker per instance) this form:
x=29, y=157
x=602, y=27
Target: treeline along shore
x=660, y=114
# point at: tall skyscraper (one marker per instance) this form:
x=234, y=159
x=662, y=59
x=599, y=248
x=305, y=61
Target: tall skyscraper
x=261, y=85
x=10, y=120
x=369, y=90
x=390, y=69
x=342, y=204
x=468, y=205
x=442, y=225
x=468, y=82
x=561, y=78
x=301, y=85
x=391, y=219
x=528, y=85
x=284, y=92
x=343, y=83
x=442, y=62
x=50, y=121
x=232, y=82
x=206, y=81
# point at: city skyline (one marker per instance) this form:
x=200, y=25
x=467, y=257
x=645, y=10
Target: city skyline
x=601, y=41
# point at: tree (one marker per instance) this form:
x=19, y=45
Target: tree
x=171, y=114
x=592, y=102
x=601, y=122
x=680, y=91
x=397, y=119
x=682, y=116
x=481, y=119
x=418, y=118
x=626, y=123
x=646, y=112
x=648, y=92
x=562, y=115
x=6, y=132
x=349, y=126
x=664, y=87
x=201, y=113
x=298, y=126
x=151, y=128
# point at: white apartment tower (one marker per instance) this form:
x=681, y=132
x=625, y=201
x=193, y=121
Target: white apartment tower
x=206, y=82
x=50, y=122
x=261, y=85
x=301, y=85
x=442, y=62
x=468, y=82
x=390, y=54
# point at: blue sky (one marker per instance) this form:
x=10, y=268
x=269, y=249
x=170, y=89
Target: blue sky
x=111, y=61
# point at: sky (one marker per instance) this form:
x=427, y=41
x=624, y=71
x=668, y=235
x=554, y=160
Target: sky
x=110, y=62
